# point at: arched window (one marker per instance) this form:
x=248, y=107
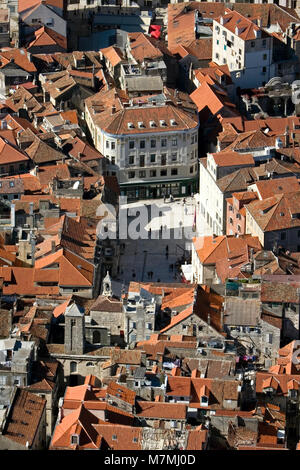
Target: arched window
x=90, y=364
x=96, y=337
x=73, y=367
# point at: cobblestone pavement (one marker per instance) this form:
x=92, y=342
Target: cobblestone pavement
x=164, y=248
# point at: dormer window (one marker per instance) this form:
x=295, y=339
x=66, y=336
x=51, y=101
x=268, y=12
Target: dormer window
x=204, y=395
x=130, y=125
x=152, y=124
x=75, y=439
x=204, y=400
x=173, y=122
x=141, y=125
x=162, y=123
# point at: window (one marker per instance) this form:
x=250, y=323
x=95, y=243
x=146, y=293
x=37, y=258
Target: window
x=107, y=144
x=11, y=184
x=163, y=142
x=133, y=325
x=113, y=160
x=239, y=228
x=264, y=43
x=74, y=439
x=2, y=380
x=230, y=220
x=149, y=326
x=152, y=173
x=131, y=144
x=217, y=41
x=265, y=56
x=174, y=142
x=269, y=338
x=152, y=158
x=163, y=172
x=90, y=364
x=252, y=44
x=153, y=143
x=264, y=69
x=191, y=169
x=240, y=51
x=217, y=55
x=204, y=400
x=73, y=367
x=174, y=172
x=113, y=145
x=282, y=236
x=142, y=174
x=174, y=157
x=131, y=159
x=142, y=144
x=131, y=174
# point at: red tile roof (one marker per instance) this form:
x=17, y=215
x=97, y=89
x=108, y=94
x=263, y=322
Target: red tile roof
x=160, y=410
x=276, y=212
x=45, y=37
x=24, y=417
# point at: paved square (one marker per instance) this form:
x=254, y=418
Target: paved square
x=166, y=247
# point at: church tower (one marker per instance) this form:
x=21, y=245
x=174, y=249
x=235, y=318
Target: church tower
x=106, y=286
x=74, y=330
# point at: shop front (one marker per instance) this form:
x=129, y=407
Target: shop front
x=159, y=189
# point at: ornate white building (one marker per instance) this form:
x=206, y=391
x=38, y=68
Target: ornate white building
x=151, y=142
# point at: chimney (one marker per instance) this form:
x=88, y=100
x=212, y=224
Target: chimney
x=208, y=319
x=113, y=109
x=287, y=136
x=12, y=215
x=53, y=246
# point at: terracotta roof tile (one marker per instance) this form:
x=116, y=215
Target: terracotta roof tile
x=159, y=410
x=24, y=417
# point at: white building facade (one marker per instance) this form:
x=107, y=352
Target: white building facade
x=153, y=151
x=244, y=47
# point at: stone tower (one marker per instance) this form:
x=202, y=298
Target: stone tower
x=74, y=330
x=106, y=286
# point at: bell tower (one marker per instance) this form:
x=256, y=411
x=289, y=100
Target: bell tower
x=106, y=286
x=74, y=330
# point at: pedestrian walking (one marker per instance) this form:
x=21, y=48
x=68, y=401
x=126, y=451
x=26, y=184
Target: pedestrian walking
x=185, y=210
x=167, y=248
